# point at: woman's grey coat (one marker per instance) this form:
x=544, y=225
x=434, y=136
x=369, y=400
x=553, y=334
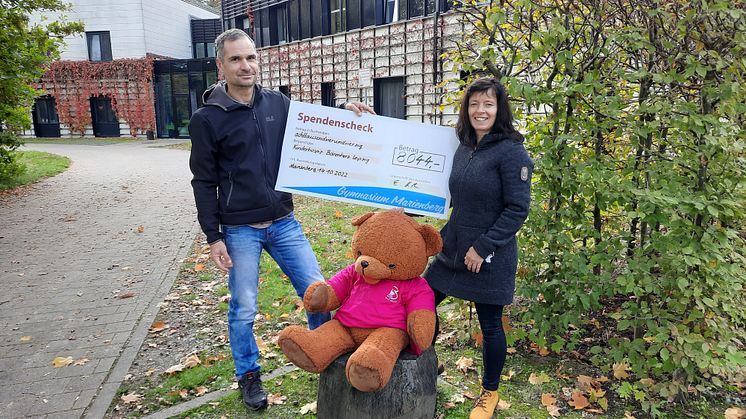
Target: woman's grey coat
x=490, y=194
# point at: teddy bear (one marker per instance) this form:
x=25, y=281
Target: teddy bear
x=382, y=304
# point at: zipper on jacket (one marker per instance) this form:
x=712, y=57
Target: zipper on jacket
x=230, y=190
x=460, y=184
x=264, y=155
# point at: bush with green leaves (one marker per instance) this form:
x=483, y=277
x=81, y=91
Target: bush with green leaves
x=25, y=50
x=635, y=247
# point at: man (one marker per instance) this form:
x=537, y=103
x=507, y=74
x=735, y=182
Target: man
x=236, y=144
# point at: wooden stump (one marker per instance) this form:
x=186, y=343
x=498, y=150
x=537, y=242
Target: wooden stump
x=410, y=394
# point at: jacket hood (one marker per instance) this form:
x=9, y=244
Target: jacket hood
x=217, y=95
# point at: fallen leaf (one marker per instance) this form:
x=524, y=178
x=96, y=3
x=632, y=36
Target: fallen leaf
x=458, y=398
x=603, y=403
x=174, y=369
x=25, y=338
x=150, y=372
x=199, y=267
x=131, y=397
x=199, y=391
x=464, y=363
x=275, y=399
x=338, y=214
x=543, y=351
x=578, y=401
x=512, y=350
x=620, y=370
x=553, y=410
x=538, y=379
x=140, y=229
x=234, y=386
x=734, y=413
x=628, y=415
x=469, y=395
x=124, y=295
x=507, y=376
x=548, y=399
x=647, y=382
x=158, y=326
x=80, y=361
x=449, y=405
x=60, y=361
x=503, y=405
x=261, y=344
x=308, y=408
x=191, y=361
x=585, y=382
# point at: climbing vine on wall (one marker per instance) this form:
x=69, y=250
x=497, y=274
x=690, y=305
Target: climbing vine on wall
x=127, y=82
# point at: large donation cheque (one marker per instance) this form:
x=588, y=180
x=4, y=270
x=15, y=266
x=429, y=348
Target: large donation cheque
x=370, y=160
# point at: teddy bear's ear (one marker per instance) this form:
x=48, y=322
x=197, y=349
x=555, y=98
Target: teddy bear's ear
x=433, y=241
x=361, y=218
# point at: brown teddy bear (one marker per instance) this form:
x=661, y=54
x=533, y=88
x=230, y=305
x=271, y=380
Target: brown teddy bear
x=383, y=304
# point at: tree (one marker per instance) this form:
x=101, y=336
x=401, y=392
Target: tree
x=25, y=51
x=633, y=111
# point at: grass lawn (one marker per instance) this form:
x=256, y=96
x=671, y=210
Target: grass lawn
x=530, y=377
x=39, y=165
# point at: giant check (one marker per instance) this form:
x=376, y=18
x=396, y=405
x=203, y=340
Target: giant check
x=371, y=160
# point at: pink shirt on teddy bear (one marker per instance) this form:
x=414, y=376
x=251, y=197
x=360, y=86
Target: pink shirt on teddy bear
x=384, y=304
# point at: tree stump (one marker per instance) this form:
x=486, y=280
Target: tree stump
x=410, y=393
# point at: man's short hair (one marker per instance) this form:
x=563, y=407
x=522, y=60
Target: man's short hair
x=229, y=35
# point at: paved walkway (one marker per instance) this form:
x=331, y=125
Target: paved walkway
x=85, y=258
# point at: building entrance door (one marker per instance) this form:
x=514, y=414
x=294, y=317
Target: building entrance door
x=105, y=123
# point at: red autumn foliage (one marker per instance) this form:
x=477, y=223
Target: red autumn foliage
x=127, y=82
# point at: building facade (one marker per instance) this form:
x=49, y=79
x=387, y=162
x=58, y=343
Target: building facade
x=101, y=86
x=382, y=52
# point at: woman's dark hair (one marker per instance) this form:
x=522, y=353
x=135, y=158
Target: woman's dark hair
x=503, y=120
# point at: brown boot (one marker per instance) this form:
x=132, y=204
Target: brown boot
x=485, y=405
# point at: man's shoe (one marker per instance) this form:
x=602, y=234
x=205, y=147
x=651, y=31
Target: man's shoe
x=252, y=392
x=485, y=405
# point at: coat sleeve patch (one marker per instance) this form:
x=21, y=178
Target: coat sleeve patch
x=524, y=173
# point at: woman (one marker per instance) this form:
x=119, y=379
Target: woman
x=490, y=187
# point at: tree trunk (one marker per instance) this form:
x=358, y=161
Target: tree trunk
x=410, y=394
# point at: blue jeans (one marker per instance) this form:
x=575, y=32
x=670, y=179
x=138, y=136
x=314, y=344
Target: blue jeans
x=285, y=242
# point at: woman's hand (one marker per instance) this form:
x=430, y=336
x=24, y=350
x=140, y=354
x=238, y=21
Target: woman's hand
x=473, y=261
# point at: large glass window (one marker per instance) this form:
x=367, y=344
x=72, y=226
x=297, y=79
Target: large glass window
x=305, y=19
x=327, y=94
x=293, y=20
x=368, y=12
x=338, y=13
x=317, y=18
x=353, y=14
x=388, y=14
x=415, y=8
x=99, y=46
x=279, y=17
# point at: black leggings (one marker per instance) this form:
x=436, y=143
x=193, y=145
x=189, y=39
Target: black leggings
x=494, y=345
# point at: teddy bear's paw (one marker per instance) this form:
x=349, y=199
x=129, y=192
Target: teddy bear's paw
x=297, y=355
x=364, y=378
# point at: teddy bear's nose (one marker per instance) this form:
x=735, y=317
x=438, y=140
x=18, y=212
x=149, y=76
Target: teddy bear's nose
x=364, y=264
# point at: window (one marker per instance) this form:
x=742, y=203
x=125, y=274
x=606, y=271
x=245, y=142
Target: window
x=388, y=97
x=99, y=46
x=338, y=16
x=415, y=8
x=293, y=20
x=305, y=19
x=317, y=20
x=327, y=94
x=353, y=14
x=279, y=16
x=285, y=90
x=368, y=12
x=200, y=51
x=388, y=13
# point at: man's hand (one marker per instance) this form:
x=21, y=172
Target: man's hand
x=219, y=255
x=359, y=108
x=472, y=260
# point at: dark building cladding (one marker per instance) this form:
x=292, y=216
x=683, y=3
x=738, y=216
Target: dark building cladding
x=277, y=22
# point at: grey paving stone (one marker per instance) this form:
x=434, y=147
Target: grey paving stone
x=75, y=247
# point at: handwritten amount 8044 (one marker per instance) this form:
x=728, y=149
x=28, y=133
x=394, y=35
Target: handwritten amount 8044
x=417, y=159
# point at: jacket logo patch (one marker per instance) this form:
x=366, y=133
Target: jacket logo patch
x=524, y=173
x=270, y=118
x=393, y=295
